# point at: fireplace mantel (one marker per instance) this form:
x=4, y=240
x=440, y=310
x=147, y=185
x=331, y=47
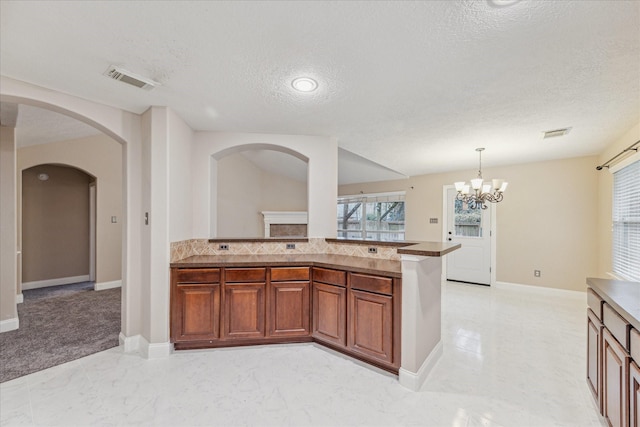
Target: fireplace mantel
x=282, y=217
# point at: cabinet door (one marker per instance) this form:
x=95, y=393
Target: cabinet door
x=634, y=394
x=371, y=325
x=615, y=381
x=289, y=309
x=244, y=310
x=329, y=314
x=197, y=314
x=594, y=380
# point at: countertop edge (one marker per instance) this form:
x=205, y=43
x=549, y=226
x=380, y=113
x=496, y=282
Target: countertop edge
x=299, y=263
x=420, y=250
x=597, y=285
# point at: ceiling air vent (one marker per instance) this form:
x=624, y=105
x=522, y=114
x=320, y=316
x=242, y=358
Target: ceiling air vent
x=125, y=76
x=556, y=132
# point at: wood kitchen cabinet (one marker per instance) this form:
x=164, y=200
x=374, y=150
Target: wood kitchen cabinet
x=634, y=394
x=615, y=381
x=289, y=302
x=330, y=306
x=195, y=305
x=370, y=316
x=594, y=351
x=355, y=313
x=244, y=303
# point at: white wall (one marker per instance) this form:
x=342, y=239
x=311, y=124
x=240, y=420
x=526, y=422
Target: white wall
x=180, y=141
x=8, y=230
x=322, y=153
x=155, y=190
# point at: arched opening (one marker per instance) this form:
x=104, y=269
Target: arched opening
x=57, y=226
x=250, y=181
x=247, y=179
x=123, y=129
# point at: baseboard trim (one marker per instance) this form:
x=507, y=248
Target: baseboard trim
x=154, y=350
x=9, y=324
x=130, y=344
x=19, y=298
x=107, y=285
x=54, y=282
x=414, y=381
x=541, y=289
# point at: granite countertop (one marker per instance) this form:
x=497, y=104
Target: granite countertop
x=434, y=249
x=407, y=247
x=623, y=296
x=375, y=266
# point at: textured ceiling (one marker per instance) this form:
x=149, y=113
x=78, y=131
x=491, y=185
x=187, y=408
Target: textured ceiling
x=412, y=86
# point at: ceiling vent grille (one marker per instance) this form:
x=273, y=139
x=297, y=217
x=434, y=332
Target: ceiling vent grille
x=555, y=133
x=120, y=74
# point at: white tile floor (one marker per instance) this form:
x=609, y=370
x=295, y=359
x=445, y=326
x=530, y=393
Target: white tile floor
x=512, y=357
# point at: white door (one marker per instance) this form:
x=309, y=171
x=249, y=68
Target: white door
x=472, y=229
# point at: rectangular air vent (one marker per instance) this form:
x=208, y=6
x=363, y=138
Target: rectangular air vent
x=556, y=132
x=120, y=74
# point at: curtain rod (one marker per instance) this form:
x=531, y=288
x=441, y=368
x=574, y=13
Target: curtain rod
x=632, y=147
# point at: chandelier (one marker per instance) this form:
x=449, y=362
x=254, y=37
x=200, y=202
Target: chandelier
x=479, y=192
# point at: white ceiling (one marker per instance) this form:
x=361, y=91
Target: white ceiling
x=412, y=86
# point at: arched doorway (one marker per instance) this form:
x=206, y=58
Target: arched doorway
x=56, y=226
x=124, y=128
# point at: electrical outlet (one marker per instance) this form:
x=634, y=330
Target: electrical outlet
x=223, y=247
x=433, y=220
x=291, y=245
x=373, y=250
x=536, y=273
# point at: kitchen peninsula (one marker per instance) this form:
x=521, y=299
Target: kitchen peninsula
x=382, y=309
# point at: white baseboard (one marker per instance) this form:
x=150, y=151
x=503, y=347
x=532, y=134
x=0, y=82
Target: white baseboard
x=107, y=285
x=130, y=344
x=414, y=381
x=19, y=298
x=54, y=282
x=154, y=350
x=542, y=290
x=9, y=324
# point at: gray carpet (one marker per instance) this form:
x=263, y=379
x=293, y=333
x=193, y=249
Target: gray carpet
x=57, y=325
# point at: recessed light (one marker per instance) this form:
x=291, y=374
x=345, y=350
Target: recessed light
x=304, y=84
x=503, y=3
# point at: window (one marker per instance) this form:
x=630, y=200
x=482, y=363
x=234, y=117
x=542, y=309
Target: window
x=467, y=221
x=626, y=222
x=371, y=216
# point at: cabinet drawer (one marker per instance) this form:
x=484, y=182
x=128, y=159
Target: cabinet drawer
x=618, y=327
x=634, y=338
x=245, y=274
x=198, y=275
x=289, y=273
x=594, y=302
x=333, y=277
x=379, y=285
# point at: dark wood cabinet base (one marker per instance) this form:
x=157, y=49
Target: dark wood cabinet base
x=355, y=314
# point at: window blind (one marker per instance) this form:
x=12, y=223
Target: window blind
x=626, y=222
